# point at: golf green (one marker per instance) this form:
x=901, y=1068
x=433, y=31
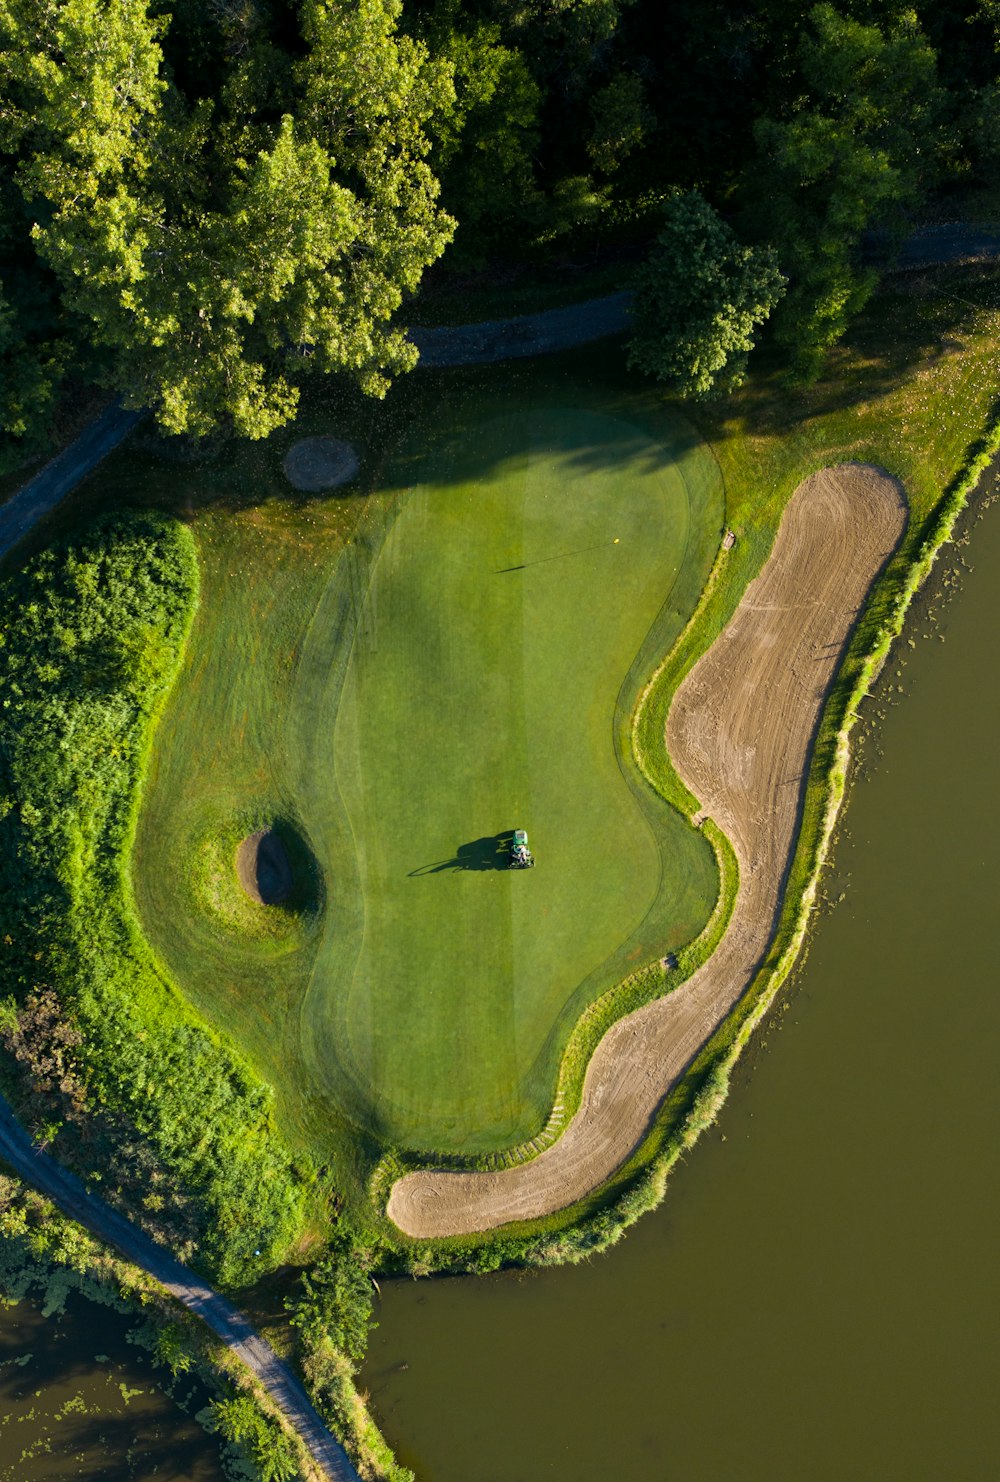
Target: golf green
x=466, y=666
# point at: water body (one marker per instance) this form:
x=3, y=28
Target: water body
x=78, y=1401
x=818, y=1296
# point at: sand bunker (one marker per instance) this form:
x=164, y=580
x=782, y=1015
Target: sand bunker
x=739, y=732
x=263, y=868
x=318, y=463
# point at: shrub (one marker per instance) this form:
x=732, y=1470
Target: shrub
x=698, y=301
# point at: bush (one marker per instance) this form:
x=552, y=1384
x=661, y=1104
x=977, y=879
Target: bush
x=337, y=1299
x=698, y=301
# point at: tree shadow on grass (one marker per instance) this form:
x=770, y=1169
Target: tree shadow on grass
x=434, y=421
x=492, y=852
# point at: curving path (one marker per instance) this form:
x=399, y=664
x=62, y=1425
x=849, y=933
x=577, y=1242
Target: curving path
x=525, y=335
x=45, y=1174
x=739, y=732
x=488, y=343
x=49, y=487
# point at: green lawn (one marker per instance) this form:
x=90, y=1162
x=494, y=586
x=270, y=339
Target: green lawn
x=466, y=664
x=251, y=729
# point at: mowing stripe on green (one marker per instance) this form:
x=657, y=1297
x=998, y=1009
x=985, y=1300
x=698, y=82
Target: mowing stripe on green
x=465, y=665
x=499, y=623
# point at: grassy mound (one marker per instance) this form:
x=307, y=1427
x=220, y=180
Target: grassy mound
x=226, y=880
x=94, y=628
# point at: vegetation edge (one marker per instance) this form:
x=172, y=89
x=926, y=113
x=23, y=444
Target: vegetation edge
x=693, y=1105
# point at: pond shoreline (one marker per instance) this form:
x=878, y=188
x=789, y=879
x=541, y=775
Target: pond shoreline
x=692, y=1105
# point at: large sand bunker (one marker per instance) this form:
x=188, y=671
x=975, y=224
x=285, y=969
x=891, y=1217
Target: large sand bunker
x=739, y=732
x=317, y=463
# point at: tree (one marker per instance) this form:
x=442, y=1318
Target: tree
x=221, y=248
x=36, y=346
x=242, y=1422
x=545, y=96
x=170, y=1349
x=853, y=153
x=699, y=299
x=336, y=1301
x=31, y=369
x=486, y=142
x=620, y=118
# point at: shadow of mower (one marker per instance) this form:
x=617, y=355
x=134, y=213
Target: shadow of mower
x=492, y=852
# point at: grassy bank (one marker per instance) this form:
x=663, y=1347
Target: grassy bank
x=107, y=1060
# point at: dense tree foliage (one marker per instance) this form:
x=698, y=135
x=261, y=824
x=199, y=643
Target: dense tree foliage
x=241, y=1421
x=336, y=1299
x=853, y=152
x=216, y=245
x=699, y=300
x=202, y=204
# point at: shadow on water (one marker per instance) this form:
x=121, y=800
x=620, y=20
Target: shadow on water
x=71, y=1410
x=492, y=852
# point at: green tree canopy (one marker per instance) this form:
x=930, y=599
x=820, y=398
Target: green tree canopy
x=853, y=152
x=241, y=1421
x=336, y=1300
x=486, y=142
x=219, y=248
x=699, y=300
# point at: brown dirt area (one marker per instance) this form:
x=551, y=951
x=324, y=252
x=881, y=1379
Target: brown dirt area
x=263, y=868
x=739, y=732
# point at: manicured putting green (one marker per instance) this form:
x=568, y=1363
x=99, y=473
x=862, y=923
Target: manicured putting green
x=464, y=665
x=498, y=627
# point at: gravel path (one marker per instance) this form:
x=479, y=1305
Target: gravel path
x=739, y=732
x=51, y=484
x=527, y=335
x=45, y=1174
x=945, y=245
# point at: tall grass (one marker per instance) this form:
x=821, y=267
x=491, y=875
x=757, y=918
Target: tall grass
x=92, y=633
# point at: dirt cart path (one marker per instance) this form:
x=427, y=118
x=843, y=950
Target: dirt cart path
x=66, y=1191
x=49, y=487
x=739, y=732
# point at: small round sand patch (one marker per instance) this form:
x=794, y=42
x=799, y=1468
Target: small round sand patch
x=263, y=868
x=318, y=463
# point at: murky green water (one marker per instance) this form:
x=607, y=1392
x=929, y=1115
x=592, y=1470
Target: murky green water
x=78, y=1401
x=818, y=1298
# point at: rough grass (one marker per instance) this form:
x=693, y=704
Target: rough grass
x=93, y=630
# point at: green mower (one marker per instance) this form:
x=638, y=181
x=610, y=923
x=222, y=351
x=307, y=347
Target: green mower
x=521, y=857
